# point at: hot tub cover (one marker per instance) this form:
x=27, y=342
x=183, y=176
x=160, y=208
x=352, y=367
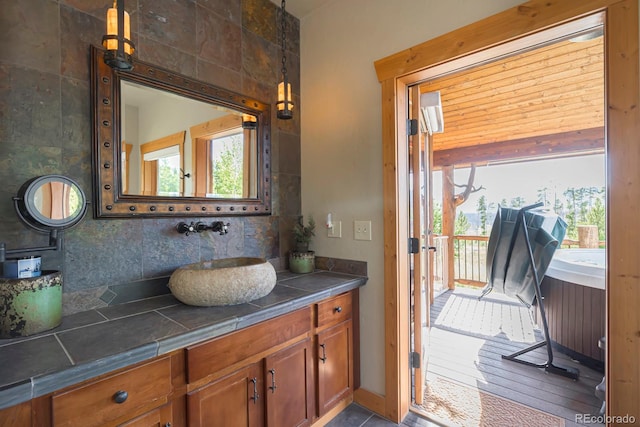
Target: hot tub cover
x=515, y=232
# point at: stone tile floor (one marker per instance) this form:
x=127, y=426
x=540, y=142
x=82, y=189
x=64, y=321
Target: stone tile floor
x=357, y=416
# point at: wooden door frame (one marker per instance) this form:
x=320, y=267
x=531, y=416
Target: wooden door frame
x=522, y=23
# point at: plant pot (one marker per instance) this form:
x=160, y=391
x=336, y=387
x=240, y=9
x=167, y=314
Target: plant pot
x=302, y=262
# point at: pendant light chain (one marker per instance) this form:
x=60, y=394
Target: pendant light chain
x=284, y=103
x=284, y=39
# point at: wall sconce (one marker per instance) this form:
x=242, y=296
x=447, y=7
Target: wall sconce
x=117, y=41
x=285, y=97
x=249, y=121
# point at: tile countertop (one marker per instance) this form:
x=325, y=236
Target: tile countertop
x=95, y=342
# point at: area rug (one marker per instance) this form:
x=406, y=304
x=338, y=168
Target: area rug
x=460, y=405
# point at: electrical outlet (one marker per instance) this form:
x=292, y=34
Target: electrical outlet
x=362, y=230
x=336, y=230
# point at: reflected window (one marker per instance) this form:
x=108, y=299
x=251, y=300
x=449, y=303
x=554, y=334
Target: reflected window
x=227, y=165
x=162, y=162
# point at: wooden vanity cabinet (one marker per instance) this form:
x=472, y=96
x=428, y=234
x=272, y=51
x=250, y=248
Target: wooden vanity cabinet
x=134, y=397
x=160, y=417
x=289, y=386
x=235, y=400
x=282, y=372
x=16, y=416
x=335, y=361
x=271, y=378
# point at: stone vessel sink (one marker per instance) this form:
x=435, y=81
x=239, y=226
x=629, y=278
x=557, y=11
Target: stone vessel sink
x=226, y=281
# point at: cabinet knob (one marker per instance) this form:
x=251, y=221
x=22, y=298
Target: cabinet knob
x=120, y=396
x=338, y=309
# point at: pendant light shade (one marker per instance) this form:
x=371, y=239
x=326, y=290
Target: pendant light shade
x=285, y=96
x=249, y=121
x=285, y=105
x=117, y=41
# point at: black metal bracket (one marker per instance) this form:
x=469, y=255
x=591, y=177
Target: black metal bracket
x=55, y=244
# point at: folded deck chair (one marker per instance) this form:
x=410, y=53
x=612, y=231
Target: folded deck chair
x=521, y=245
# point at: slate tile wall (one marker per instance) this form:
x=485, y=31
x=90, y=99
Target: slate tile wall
x=45, y=128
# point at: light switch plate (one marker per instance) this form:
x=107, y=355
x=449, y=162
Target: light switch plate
x=336, y=230
x=362, y=230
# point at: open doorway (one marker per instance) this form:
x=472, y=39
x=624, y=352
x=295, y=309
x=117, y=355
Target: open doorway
x=544, y=105
x=506, y=31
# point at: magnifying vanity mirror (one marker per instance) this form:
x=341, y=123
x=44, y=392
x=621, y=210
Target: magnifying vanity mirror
x=169, y=145
x=50, y=202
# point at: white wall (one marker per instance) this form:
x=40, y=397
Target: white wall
x=341, y=129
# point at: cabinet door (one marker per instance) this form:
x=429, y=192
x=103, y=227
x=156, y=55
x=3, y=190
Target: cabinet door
x=160, y=417
x=16, y=416
x=235, y=400
x=289, y=386
x=335, y=365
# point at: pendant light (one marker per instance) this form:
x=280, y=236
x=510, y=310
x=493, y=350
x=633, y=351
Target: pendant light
x=284, y=104
x=117, y=41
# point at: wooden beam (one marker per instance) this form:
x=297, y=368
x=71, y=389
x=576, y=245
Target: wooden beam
x=588, y=140
x=449, y=219
x=623, y=205
x=391, y=211
x=526, y=19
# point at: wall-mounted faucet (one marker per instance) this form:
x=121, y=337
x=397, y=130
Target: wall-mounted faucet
x=199, y=227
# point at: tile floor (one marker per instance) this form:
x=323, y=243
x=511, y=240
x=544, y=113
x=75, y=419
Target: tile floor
x=357, y=416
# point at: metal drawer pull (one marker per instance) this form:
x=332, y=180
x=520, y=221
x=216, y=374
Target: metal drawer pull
x=324, y=354
x=273, y=386
x=255, y=391
x=338, y=309
x=120, y=396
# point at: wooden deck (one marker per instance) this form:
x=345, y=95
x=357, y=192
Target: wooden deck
x=468, y=338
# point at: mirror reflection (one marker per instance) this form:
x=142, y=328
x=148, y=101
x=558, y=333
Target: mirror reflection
x=174, y=146
x=57, y=200
x=50, y=202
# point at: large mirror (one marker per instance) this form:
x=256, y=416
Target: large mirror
x=169, y=145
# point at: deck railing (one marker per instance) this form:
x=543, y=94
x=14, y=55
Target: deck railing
x=470, y=258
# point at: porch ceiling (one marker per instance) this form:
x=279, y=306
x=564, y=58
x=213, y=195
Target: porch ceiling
x=541, y=102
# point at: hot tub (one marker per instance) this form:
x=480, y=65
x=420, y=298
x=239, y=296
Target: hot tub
x=585, y=267
x=574, y=298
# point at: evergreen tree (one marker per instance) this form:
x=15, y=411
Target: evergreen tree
x=437, y=219
x=517, y=202
x=543, y=196
x=597, y=216
x=482, y=211
x=462, y=224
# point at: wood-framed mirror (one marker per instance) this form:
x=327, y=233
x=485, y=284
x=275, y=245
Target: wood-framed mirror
x=169, y=145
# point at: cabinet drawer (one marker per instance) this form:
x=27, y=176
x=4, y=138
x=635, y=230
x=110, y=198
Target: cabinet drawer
x=212, y=356
x=94, y=404
x=334, y=310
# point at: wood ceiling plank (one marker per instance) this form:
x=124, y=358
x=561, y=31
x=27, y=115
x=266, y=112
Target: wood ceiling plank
x=518, y=65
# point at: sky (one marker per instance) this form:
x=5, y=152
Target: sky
x=507, y=181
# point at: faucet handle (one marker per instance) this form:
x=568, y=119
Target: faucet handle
x=220, y=227
x=186, y=229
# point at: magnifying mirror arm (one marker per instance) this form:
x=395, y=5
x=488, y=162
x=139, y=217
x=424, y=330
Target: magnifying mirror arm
x=55, y=244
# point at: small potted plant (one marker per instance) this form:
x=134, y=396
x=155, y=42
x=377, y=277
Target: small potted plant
x=301, y=259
